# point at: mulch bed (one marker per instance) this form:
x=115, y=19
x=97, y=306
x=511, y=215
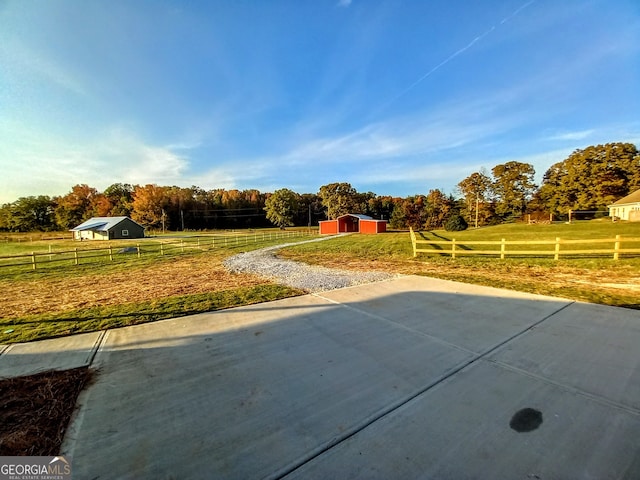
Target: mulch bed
x=35, y=410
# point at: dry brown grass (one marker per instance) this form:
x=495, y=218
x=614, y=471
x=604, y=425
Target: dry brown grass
x=35, y=411
x=183, y=275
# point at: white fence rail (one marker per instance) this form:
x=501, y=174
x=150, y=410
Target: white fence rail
x=159, y=247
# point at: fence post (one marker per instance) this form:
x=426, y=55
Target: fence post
x=413, y=242
x=616, y=248
x=110, y=253
x=556, y=256
x=75, y=255
x=138, y=248
x=161, y=248
x=503, y=247
x=182, y=245
x=453, y=248
x=33, y=259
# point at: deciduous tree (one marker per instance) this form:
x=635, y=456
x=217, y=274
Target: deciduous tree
x=281, y=207
x=148, y=205
x=28, y=214
x=76, y=206
x=476, y=190
x=592, y=178
x=120, y=198
x=437, y=209
x=512, y=186
x=339, y=199
x=410, y=212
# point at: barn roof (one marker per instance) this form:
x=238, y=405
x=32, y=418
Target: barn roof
x=357, y=215
x=632, y=198
x=100, y=224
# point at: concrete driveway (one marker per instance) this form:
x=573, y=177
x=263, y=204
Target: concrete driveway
x=408, y=378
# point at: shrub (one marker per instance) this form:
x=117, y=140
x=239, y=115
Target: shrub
x=455, y=224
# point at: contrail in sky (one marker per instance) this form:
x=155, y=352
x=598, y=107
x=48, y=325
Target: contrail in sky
x=459, y=52
x=506, y=19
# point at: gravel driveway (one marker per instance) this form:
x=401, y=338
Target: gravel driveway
x=310, y=278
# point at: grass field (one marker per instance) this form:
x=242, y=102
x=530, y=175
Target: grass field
x=589, y=278
x=21, y=252
x=104, y=294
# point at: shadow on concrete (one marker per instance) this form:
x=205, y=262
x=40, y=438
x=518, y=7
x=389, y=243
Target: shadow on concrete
x=312, y=386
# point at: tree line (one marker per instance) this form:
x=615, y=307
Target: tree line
x=589, y=179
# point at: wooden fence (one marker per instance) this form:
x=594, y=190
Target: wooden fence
x=77, y=256
x=556, y=247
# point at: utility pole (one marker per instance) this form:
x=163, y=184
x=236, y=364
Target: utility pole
x=182, y=219
x=163, y=215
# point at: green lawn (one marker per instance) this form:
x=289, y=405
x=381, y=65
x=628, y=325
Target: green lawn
x=57, y=257
x=394, y=245
x=587, y=234
x=592, y=279
x=597, y=279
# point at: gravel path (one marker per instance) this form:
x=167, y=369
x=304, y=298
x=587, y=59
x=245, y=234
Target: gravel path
x=310, y=278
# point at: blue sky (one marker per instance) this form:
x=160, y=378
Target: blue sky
x=395, y=97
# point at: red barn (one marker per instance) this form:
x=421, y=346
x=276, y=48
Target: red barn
x=352, y=222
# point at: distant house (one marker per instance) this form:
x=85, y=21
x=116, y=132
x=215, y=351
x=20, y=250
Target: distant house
x=108, y=228
x=353, y=222
x=627, y=208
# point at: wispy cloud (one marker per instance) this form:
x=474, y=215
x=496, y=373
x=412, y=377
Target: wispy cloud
x=577, y=135
x=51, y=165
x=451, y=125
x=18, y=58
x=344, y=3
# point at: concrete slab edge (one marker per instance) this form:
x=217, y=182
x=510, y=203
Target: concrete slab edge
x=75, y=422
x=568, y=388
x=97, y=345
x=3, y=348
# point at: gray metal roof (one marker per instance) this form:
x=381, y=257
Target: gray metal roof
x=100, y=224
x=357, y=215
